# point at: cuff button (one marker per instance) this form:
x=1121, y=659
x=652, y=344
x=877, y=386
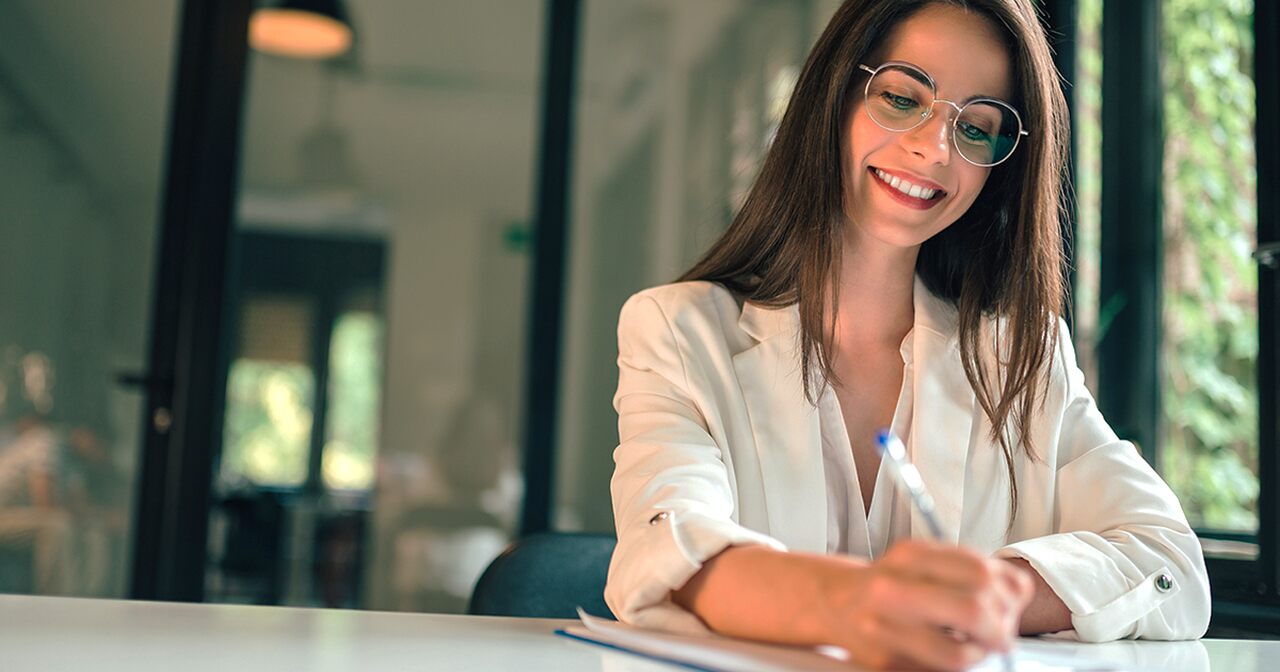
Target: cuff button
x=659, y=517
x=1164, y=583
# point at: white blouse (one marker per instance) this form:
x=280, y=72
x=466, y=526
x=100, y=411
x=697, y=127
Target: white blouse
x=851, y=528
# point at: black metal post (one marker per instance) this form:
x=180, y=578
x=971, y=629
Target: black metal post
x=183, y=395
x=1132, y=151
x=546, y=304
x=1266, y=77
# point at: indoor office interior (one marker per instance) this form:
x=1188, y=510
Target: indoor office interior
x=332, y=323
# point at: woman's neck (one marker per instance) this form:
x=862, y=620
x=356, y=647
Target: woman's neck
x=876, y=287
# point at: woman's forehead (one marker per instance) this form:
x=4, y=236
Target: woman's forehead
x=960, y=49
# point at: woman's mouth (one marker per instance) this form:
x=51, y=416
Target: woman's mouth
x=905, y=192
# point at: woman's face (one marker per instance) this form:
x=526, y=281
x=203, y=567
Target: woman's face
x=963, y=54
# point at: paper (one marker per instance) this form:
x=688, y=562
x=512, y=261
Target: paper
x=722, y=654
x=716, y=654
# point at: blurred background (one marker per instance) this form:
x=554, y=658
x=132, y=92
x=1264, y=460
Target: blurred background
x=314, y=303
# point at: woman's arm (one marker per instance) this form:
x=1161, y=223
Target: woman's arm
x=923, y=604
x=1046, y=612
x=1123, y=558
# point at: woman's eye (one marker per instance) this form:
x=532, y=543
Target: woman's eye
x=973, y=133
x=899, y=102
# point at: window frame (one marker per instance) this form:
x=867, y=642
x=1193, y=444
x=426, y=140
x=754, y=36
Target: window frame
x=1246, y=593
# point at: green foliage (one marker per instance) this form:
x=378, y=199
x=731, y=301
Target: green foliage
x=269, y=413
x=1209, y=452
x=268, y=423
x=355, y=387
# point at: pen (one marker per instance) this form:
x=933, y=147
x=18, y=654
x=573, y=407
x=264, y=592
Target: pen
x=906, y=475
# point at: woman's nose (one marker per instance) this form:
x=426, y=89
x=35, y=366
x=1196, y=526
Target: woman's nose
x=931, y=140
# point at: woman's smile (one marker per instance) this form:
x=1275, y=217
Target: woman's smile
x=914, y=194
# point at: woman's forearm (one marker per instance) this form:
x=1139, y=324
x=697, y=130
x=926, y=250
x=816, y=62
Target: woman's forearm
x=923, y=604
x=758, y=593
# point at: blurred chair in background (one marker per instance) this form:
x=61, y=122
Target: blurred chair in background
x=547, y=576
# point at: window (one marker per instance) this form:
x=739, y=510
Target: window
x=1209, y=452
x=270, y=393
x=1170, y=306
x=355, y=390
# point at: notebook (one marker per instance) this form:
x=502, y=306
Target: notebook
x=723, y=654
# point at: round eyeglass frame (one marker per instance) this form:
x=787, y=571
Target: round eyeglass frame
x=866, y=98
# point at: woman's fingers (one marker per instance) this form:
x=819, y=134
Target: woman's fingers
x=980, y=598
x=1023, y=588
x=983, y=616
x=910, y=645
x=932, y=605
x=1022, y=584
x=940, y=563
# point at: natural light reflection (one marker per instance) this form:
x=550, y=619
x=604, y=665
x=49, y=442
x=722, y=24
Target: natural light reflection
x=355, y=385
x=268, y=425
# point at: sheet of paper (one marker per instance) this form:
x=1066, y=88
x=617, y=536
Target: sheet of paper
x=721, y=654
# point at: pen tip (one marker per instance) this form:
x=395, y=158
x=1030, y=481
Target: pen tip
x=882, y=437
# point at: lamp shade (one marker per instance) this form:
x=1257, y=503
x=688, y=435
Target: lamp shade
x=301, y=29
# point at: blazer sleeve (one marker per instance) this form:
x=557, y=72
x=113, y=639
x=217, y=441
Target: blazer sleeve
x=673, y=502
x=1124, y=559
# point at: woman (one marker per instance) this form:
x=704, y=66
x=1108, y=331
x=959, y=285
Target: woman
x=897, y=264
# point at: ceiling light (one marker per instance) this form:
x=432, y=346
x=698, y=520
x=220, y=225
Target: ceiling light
x=302, y=29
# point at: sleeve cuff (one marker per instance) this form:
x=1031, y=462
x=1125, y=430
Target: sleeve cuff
x=660, y=556
x=1105, y=604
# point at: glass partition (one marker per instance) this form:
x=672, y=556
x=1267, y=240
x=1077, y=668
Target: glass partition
x=677, y=104
x=83, y=123
x=378, y=297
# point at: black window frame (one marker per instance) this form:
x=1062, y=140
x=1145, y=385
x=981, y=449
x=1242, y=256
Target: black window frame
x=1246, y=593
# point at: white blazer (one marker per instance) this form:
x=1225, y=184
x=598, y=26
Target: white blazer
x=718, y=446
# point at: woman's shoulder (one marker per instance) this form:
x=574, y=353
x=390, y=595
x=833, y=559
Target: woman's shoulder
x=683, y=302
x=696, y=314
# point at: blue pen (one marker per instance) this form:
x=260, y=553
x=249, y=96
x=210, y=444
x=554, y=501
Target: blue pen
x=906, y=475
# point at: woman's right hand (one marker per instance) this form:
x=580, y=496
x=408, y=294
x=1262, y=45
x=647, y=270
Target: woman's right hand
x=925, y=604
x=922, y=605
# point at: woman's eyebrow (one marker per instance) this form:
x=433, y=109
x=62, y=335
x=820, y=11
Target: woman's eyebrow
x=922, y=75
x=976, y=96
x=919, y=75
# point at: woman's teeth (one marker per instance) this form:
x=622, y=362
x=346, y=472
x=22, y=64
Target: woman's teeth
x=913, y=190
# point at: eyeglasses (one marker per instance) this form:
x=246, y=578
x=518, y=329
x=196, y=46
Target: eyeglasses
x=900, y=97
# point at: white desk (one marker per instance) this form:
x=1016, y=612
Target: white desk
x=81, y=635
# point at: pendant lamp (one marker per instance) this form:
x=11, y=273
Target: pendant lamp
x=315, y=29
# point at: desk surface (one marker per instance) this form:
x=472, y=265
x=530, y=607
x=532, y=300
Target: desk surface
x=54, y=634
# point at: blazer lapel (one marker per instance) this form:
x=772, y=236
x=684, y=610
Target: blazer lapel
x=785, y=426
x=944, y=406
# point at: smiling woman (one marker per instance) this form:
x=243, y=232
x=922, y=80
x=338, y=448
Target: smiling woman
x=897, y=263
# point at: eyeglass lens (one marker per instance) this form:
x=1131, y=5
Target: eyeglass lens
x=900, y=98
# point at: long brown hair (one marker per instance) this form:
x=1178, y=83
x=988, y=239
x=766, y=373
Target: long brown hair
x=1002, y=259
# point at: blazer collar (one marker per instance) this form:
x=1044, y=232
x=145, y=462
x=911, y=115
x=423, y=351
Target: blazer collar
x=763, y=323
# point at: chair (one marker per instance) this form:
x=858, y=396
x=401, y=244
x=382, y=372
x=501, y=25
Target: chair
x=546, y=575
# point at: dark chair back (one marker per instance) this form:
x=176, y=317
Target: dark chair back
x=546, y=575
